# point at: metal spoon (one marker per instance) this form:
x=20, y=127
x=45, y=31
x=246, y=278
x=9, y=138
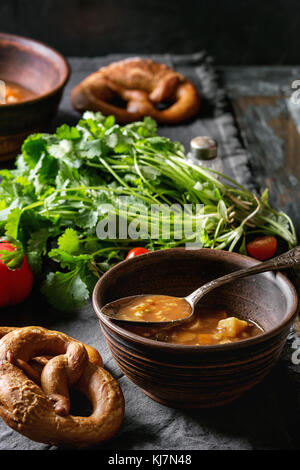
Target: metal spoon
x=289, y=259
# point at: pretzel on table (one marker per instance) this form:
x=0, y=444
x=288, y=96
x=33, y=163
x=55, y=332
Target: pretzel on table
x=37, y=368
x=143, y=85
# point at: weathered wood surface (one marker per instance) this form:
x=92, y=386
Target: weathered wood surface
x=269, y=124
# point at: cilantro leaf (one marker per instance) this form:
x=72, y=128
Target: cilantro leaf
x=12, y=223
x=33, y=148
x=67, y=132
x=36, y=248
x=68, y=241
x=65, y=291
x=68, y=260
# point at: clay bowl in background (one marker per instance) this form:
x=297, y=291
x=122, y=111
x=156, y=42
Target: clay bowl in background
x=42, y=70
x=198, y=376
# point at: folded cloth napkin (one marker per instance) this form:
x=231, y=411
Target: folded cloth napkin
x=215, y=118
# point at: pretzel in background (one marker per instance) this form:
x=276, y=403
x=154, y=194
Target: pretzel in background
x=143, y=86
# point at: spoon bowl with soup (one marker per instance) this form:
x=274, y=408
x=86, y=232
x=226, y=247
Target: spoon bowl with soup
x=211, y=358
x=170, y=312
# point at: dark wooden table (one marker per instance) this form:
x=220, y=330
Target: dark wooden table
x=269, y=124
x=270, y=127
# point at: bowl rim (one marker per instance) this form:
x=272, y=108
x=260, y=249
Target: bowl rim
x=172, y=347
x=14, y=38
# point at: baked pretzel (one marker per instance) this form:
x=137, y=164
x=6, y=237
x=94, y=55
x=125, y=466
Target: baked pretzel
x=143, y=85
x=37, y=367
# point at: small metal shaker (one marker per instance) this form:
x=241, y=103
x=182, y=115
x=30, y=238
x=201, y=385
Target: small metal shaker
x=203, y=148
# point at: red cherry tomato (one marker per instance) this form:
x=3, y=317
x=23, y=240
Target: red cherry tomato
x=136, y=252
x=262, y=248
x=15, y=285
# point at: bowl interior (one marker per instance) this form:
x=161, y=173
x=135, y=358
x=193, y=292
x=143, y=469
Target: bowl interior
x=268, y=299
x=31, y=64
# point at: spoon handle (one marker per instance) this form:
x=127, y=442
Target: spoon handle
x=286, y=260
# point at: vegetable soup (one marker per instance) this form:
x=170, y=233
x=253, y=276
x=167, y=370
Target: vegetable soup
x=15, y=93
x=209, y=326
x=154, y=308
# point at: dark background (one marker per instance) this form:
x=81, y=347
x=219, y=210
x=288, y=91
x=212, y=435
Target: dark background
x=234, y=32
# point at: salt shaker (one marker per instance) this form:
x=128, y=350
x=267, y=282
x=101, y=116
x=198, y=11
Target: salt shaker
x=203, y=151
x=203, y=148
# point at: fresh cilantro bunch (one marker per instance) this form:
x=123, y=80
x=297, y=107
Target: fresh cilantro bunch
x=63, y=182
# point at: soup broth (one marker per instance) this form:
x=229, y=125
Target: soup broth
x=209, y=326
x=154, y=308
x=15, y=93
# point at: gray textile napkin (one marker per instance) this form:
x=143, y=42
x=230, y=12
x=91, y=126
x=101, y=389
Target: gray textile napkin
x=265, y=417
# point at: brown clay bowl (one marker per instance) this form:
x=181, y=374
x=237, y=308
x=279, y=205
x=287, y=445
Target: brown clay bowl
x=40, y=69
x=198, y=376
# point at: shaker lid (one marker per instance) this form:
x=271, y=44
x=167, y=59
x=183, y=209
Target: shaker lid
x=203, y=148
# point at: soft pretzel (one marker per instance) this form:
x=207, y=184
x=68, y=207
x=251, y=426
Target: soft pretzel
x=143, y=85
x=37, y=367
